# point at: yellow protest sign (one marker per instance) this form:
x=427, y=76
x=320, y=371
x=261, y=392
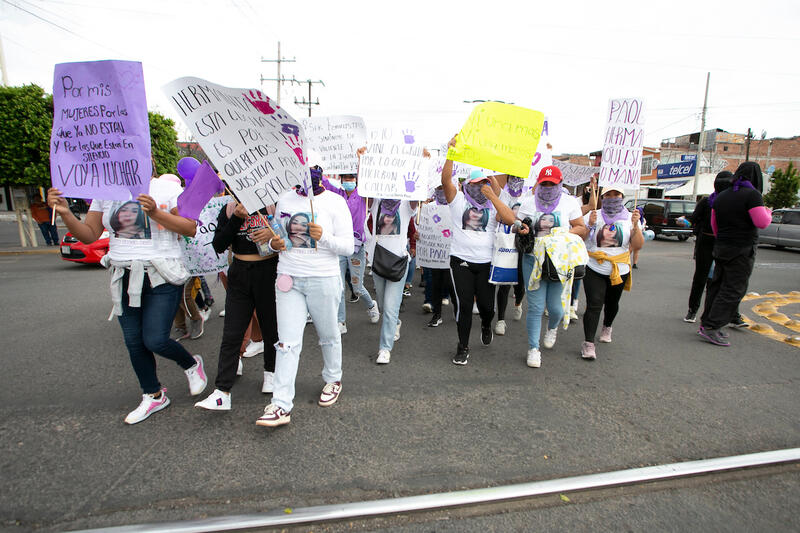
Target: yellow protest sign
x=500, y=137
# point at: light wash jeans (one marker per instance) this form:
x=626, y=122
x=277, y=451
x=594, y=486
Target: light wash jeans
x=549, y=293
x=389, y=295
x=356, y=263
x=318, y=296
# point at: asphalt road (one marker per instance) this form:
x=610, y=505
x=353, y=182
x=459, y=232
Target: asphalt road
x=657, y=394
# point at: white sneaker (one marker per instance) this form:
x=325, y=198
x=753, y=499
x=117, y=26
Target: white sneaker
x=342, y=328
x=573, y=314
x=517, y=312
x=216, y=401
x=374, y=313
x=549, y=338
x=397, y=331
x=222, y=313
x=205, y=313
x=605, y=334
x=269, y=382
x=534, y=359
x=546, y=312
x=148, y=406
x=196, y=328
x=384, y=356
x=500, y=327
x=253, y=349
x=240, y=368
x=427, y=308
x=475, y=310
x=445, y=301
x=196, y=376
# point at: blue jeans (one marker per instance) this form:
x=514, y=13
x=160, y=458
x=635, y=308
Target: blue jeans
x=49, y=232
x=389, y=295
x=355, y=264
x=548, y=293
x=146, y=331
x=318, y=296
x=412, y=267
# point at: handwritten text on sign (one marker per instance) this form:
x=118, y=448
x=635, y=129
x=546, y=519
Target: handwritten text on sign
x=198, y=253
x=573, y=174
x=100, y=145
x=336, y=139
x=397, y=171
x=257, y=147
x=622, y=147
x=501, y=137
x=433, y=245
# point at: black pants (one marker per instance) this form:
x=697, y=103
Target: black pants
x=703, y=257
x=251, y=284
x=471, y=283
x=440, y=285
x=732, y=268
x=601, y=295
x=503, y=290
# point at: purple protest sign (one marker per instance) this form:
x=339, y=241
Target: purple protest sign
x=100, y=145
x=197, y=194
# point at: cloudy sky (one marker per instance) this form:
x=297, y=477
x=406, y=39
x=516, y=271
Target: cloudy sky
x=412, y=64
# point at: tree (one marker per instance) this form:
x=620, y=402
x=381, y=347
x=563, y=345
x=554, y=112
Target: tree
x=26, y=115
x=785, y=184
x=163, y=143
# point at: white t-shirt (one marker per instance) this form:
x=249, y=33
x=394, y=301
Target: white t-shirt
x=513, y=203
x=567, y=209
x=132, y=234
x=613, y=239
x=392, y=231
x=473, y=230
x=304, y=260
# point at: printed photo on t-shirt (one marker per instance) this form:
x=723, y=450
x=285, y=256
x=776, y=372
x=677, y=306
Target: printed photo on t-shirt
x=475, y=219
x=609, y=236
x=388, y=224
x=545, y=223
x=128, y=221
x=515, y=207
x=297, y=230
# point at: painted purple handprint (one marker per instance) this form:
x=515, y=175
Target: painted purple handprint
x=260, y=101
x=291, y=129
x=437, y=218
x=296, y=145
x=411, y=181
x=408, y=136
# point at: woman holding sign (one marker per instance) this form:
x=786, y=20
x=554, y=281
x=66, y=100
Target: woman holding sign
x=475, y=211
x=147, y=277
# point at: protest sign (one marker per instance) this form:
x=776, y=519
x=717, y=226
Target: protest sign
x=203, y=186
x=622, y=149
x=383, y=133
x=336, y=139
x=433, y=244
x=258, y=147
x=573, y=174
x=198, y=253
x=501, y=137
x=543, y=156
x=394, y=171
x=100, y=144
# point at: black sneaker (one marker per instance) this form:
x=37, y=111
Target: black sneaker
x=462, y=354
x=354, y=297
x=691, y=316
x=713, y=336
x=486, y=335
x=407, y=291
x=436, y=321
x=738, y=323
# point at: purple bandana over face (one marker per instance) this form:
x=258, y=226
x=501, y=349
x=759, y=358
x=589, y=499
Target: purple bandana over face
x=613, y=210
x=547, y=198
x=439, y=196
x=316, y=183
x=514, y=186
x=742, y=183
x=473, y=194
x=390, y=207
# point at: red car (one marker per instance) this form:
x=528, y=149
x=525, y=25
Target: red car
x=74, y=250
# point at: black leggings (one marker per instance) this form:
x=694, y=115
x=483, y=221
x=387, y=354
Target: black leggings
x=251, y=284
x=503, y=290
x=471, y=283
x=732, y=268
x=440, y=285
x=600, y=295
x=703, y=257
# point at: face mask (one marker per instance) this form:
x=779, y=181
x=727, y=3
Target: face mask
x=349, y=186
x=389, y=207
x=439, y=196
x=316, y=183
x=613, y=210
x=547, y=198
x=473, y=194
x=514, y=186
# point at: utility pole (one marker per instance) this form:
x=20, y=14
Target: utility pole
x=279, y=79
x=701, y=141
x=747, y=145
x=3, y=64
x=308, y=102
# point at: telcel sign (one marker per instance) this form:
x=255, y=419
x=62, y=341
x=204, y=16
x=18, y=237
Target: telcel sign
x=677, y=170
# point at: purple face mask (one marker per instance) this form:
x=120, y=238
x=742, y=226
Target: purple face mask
x=613, y=210
x=390, y=207
x=514, y=186
x=473, y=194
x=547, y=198
x=316, y=183
x=439, y=196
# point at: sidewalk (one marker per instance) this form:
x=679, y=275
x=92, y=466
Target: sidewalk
x=9, y=237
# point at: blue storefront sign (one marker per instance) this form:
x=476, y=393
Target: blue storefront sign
x=689, y=157
x=677, y=170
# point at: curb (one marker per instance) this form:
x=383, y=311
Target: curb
x=31, y=251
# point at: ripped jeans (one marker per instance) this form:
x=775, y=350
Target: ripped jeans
x=320, y=297
x=356, y=263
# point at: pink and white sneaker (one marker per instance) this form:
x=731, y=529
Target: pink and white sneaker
x=587, y=350
x=196, y=376
x=605, y=334
x=150, y=404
